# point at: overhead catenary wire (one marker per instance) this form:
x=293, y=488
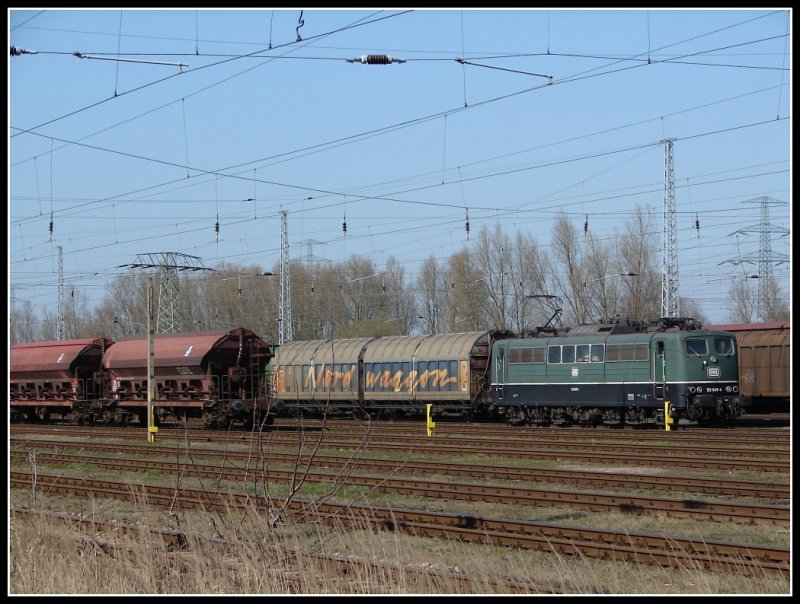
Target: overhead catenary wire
x=226, y=60
x=254, y=170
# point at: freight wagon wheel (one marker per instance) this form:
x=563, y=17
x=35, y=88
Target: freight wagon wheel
x=360, y=413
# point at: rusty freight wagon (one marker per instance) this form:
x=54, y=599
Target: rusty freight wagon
x=55, y=378
x=387, y=376
x=764, y=364
x=216, y=375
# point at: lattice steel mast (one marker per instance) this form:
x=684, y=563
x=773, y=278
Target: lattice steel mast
x=670, y=305
x=61, y=330
x=765, y=256
x=168, y=265
x=285, y=331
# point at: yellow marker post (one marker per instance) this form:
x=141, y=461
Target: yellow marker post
x=151, y=382
x=668, y=421
x=151, y=429
x=431, y=424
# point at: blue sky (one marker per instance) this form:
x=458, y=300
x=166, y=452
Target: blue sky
x=511, y=116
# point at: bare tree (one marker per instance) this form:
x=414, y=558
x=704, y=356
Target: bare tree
x=744, y=302
x=690, y=308
x=636, y=253
x=432, y=289
x=494, y=253
x=23, y=324
x=777, y=307
x=528, y=271
x=600, y=286
x=465, y=305
x=569, y=274
x=125, y=304
x=401, y=304
x=363, y=293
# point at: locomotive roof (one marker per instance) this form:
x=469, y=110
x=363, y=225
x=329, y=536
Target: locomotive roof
x=600, y=329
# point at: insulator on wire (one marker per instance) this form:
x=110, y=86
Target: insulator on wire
x=376, y=60
x=15, y=51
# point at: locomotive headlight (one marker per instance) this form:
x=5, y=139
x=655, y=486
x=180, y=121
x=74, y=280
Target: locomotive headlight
x=736, y=389
x=699, y=389
x=728, y=389
x=692, y=389
x=713, y=359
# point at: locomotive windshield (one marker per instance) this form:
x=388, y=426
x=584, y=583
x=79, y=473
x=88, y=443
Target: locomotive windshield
x=696, y=346
x=723, y=345
x=699, y=346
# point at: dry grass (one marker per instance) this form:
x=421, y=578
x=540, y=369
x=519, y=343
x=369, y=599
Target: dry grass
x=238, y=553
x=256, y=558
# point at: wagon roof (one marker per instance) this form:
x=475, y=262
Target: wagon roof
x=763, y=338
x=775, y=325
x=450, y=346
x=55, y=355
x=169, y=350
x=321, y=351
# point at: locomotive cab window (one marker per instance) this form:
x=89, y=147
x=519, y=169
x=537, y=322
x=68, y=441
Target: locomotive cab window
x=723, y=345
x=567, y=354
x=597, y=353
x=554, y=354
x=582, y=353
x=696, y=346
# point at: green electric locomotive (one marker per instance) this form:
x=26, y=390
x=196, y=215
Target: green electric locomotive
x=597, y=375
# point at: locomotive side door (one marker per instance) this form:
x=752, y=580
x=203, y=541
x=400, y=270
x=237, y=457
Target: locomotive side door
x=499, y=372
x=659, y=370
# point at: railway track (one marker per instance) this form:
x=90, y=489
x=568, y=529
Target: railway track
x=744, y=559
x=665, y=456
x=516, y=495
x=583, y=478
